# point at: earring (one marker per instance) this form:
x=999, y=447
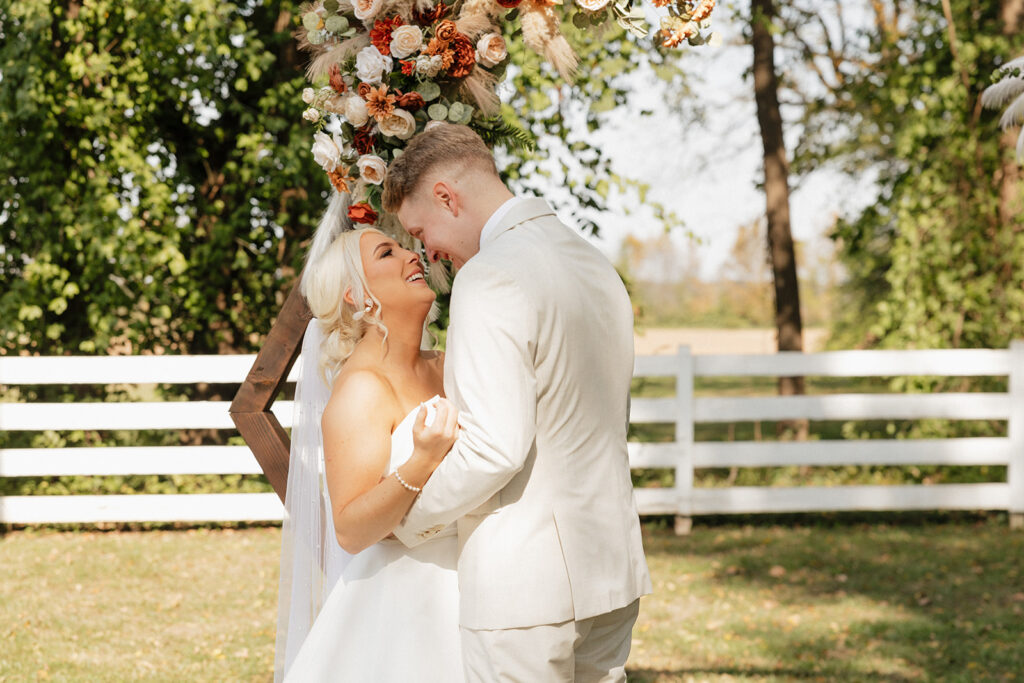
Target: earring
x=358, y=315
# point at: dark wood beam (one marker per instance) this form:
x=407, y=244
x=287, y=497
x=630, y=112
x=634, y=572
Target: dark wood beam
x=250, y=409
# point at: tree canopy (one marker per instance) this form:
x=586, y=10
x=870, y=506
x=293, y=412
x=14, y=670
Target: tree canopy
x=158, y=190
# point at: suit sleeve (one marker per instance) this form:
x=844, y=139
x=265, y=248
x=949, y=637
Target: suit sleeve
x=491, y=377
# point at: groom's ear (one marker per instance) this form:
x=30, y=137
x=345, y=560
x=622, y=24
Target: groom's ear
x=445, y=197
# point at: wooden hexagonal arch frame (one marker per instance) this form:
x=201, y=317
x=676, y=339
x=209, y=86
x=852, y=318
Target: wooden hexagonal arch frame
x=250, y=409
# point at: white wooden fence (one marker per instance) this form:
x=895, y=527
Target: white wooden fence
x=683, y=455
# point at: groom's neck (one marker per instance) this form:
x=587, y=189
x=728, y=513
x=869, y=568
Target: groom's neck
x=485, y=202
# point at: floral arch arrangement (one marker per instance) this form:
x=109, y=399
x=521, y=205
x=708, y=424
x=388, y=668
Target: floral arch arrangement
x=384, y=70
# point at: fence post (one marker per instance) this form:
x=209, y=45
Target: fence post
x=684, y=437
x=1015, y=430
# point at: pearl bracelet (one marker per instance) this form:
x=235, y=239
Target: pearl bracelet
x=407, y=486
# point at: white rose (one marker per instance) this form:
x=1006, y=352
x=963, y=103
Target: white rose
x=371, y=65
x=593, y=5
x=366, y=9
x=355, y=111
x=335, y=104
x=399, y=124
x=372, y=168
x=308, y=95
x=406, y=40
x=327, y=150
x=311, y=114
x=490, y=49
x=428, y=66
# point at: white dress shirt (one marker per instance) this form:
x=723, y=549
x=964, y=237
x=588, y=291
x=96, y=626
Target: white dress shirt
x=495, y=220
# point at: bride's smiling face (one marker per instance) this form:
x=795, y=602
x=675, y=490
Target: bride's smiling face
x=394, y=274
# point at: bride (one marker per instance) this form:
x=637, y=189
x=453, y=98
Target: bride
x=379, y=611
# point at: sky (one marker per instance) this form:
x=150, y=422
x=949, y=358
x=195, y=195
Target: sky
x=708, y=173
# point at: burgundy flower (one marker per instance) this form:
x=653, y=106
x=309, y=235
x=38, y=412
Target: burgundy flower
x=364, y=139
x=428, y=17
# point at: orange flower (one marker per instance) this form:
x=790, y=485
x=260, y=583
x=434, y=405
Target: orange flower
x=408, y=66
x=336, y=80
x=362, y=212
x=339, y=179
x=675, y=31
x=436, y=46
x=464, y=55
x=411, y=101
x=702, y=11
x=661, y=3
x=379, y=102
x=446, y=31
x=447, y=59
x=380, y=34
x=364, y=90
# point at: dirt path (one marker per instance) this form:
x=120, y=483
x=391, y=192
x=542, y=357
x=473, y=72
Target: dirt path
x=660, y=340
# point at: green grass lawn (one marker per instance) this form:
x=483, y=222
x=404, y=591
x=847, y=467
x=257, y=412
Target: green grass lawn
x=854, y=602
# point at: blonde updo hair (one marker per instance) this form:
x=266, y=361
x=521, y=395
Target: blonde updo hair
x=326, y=278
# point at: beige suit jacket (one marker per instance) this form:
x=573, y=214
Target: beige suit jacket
x=539, y=362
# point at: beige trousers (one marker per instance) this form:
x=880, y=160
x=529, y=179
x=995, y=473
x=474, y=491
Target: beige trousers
x=588, y=651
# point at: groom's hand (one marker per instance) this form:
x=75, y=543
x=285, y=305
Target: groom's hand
x=433, y=441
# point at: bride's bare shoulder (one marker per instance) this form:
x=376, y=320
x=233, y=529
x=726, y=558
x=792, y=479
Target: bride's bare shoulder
x=363, y=395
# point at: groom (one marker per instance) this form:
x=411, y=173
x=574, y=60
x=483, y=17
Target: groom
x=539, y=363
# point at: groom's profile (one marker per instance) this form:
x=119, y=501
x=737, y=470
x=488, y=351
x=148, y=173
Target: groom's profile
x=539, y=363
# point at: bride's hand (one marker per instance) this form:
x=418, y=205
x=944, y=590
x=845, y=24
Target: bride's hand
x=433, y=441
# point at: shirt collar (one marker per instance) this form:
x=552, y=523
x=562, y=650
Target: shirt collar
x=495, y=220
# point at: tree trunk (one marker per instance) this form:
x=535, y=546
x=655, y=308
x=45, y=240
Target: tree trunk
x=781, y=251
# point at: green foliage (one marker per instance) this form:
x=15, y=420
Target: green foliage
x=157, y=187
x=938, y=261
x=507, y=132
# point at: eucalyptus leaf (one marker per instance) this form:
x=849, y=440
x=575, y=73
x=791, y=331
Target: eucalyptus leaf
x=437, y=112
x=455, y=112
x=311, y=20
x=429, y=90
x=335, y=24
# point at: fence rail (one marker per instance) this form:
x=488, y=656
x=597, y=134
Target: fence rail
x=683, y=455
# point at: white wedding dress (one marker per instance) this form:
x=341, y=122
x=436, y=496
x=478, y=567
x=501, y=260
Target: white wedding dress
x=393, y=616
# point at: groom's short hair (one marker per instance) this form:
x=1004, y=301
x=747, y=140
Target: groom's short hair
x=448, y=145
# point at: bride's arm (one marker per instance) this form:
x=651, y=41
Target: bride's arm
x=367, y=504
